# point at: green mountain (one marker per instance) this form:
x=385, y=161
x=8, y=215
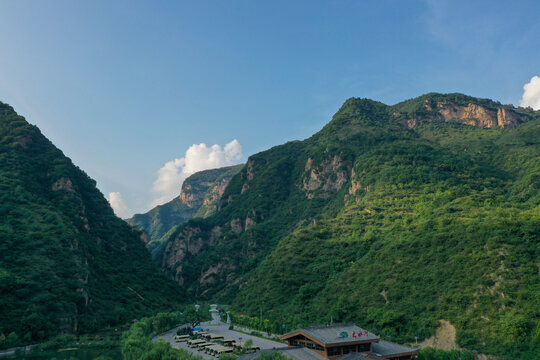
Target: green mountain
x=198, y=198
x=67, y=263
x=394, y=217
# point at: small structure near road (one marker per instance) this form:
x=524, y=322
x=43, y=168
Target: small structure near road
x=217, y=350
x=195, y=342
x=216, y=319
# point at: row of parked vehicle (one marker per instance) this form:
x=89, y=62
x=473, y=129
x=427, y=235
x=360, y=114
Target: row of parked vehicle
x=212, y=344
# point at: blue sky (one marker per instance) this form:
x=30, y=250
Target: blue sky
x=126, y=87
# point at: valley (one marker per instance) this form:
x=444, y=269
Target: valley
x=398, y=218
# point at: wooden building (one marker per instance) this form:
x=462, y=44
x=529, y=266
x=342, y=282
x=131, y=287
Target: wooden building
x=346, y=342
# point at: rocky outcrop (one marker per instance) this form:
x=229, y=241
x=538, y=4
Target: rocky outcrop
x=444, y=337
x=471, y=114
x=63, y=184
x=192, y=198
x=212, y=197
x=198, y=197
x=236, y=226
x=250, y=171
x=188, y=242
x=325, y=179
x=509, y=119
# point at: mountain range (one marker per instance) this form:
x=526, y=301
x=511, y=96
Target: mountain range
x=394, y=217
x=399, y=218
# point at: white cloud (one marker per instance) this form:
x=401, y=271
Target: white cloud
x=118, y=205
x=197, y=158
x=531, y=93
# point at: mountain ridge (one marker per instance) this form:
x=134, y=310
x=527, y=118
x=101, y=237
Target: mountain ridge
x=350, y=191
x=198, y=197
x=67, y=263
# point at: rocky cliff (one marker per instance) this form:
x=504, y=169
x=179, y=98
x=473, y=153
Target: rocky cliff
x=198, y=197
x=461, y=109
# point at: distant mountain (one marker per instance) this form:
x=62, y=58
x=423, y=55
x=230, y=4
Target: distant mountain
x=394, y=217
x=67, y=263
x=198, y=198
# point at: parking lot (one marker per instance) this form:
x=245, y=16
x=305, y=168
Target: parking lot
x=223, y=330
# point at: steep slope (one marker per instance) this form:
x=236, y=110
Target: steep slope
x=198, y=198
x=67, y=264
x=392, y=216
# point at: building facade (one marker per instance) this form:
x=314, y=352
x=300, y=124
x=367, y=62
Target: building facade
x=346, y=342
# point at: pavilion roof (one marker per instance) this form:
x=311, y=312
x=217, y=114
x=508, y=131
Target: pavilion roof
x=384, y=348
x=334, y=334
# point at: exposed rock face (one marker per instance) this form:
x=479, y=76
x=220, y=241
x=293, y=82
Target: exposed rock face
x=213, y=195
x=509, y=119
x=444, y=338
x=250, y=170
x=326, y=179
x=198, y=197
x=355, y=183
x=211, y=275
x=236, y=226
x=249, y=223
x=63, y=184
x=190, y=241
x=190, y=197
x=472, y=114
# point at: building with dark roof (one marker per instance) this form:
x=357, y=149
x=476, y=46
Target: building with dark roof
x=344, y=342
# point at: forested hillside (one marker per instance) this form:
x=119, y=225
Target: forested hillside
x=67, y=263
x=198, y=198
x=394, y=217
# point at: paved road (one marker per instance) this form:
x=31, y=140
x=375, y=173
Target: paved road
x=222, y=329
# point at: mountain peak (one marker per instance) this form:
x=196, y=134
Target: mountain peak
x=464, y=109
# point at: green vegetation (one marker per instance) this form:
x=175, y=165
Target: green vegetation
x=200, y=194
x=394, y=229
x=67, y=263
x=77, y=353
x=103, y=346
x=137, y=341
x=191, y=316
x=432, y=354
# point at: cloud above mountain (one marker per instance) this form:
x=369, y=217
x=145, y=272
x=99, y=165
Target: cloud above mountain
x=118, y=205
x=198, y=157
x=531, y=93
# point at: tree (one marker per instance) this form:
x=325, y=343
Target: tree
x=247, y=345
x=12, y=339
x=191, y=316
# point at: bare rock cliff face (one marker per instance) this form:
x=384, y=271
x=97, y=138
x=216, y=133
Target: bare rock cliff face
x=472, y=114
x=189, y=242
x=213, y=195
x=190, y=197
x=326, y=178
